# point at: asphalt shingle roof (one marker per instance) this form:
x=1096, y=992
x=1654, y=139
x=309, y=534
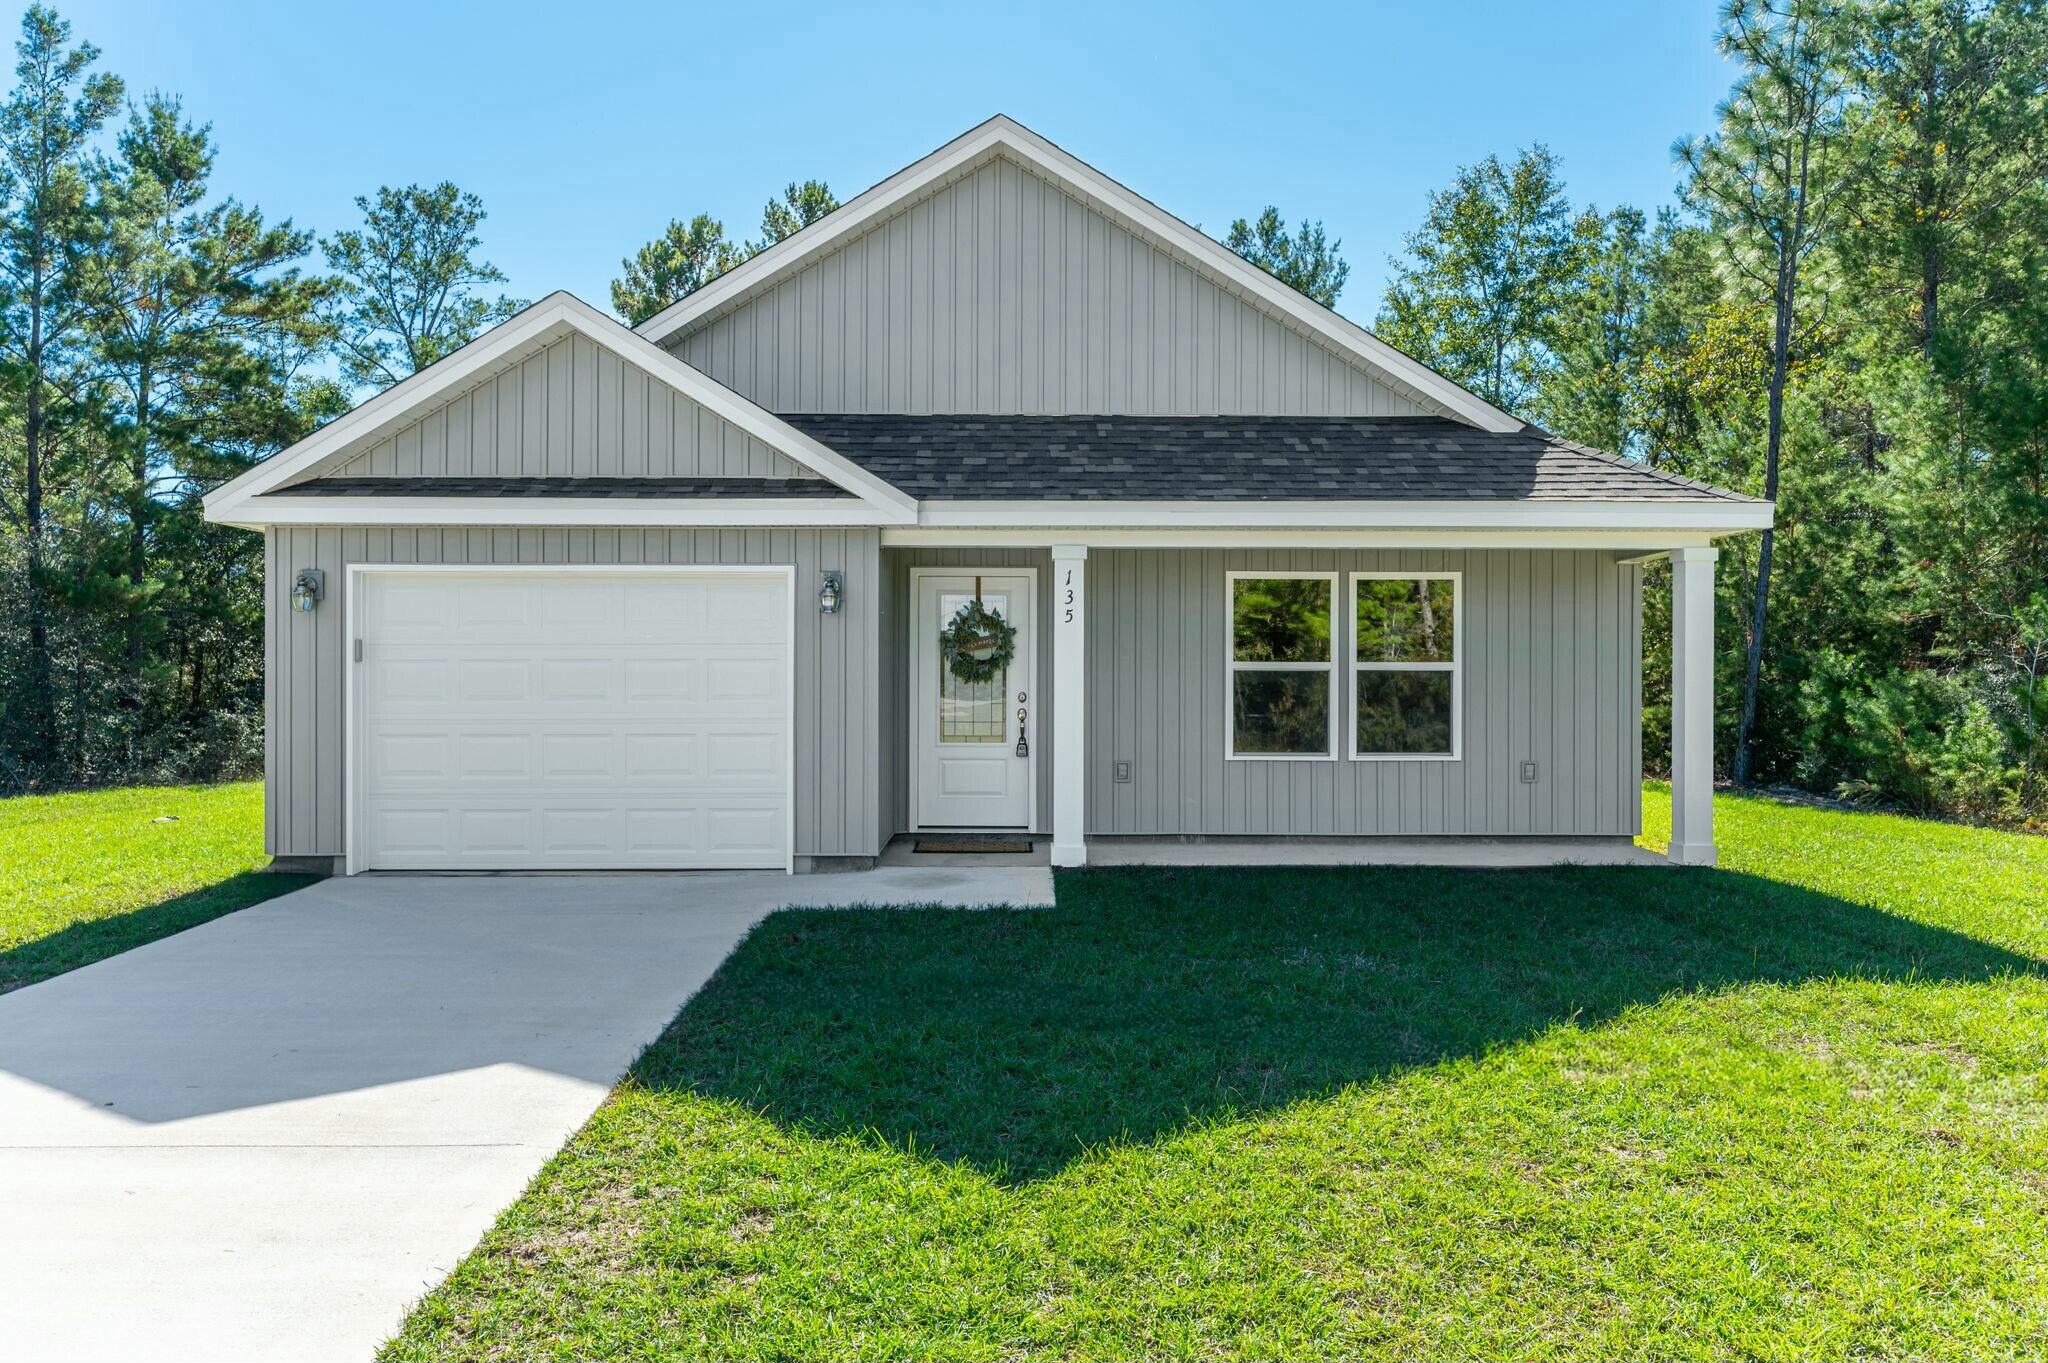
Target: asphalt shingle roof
x=1235, y=458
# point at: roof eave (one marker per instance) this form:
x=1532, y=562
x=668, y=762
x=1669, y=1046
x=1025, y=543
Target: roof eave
x=1720, y=516
x=283, y=509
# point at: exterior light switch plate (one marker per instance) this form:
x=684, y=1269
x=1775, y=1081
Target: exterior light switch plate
x=1528, y=773
x=1123, y=772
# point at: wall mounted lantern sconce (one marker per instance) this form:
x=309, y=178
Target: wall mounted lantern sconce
x=831, y=592
x=308, y=589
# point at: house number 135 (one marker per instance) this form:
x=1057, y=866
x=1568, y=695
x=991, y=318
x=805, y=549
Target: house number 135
x=1069, y=603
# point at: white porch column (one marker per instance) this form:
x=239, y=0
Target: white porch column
x=1692, y=706
x=1070, y=712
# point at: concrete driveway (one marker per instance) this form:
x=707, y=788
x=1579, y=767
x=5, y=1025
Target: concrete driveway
x=265, y=1137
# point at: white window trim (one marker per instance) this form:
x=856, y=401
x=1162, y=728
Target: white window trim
x=1231, y=667
x=1456, y=667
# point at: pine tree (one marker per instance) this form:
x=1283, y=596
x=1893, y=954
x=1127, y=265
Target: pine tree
x=186, y=297
x=413, y=286
x=799, y=206
x=46, y=128
x=683, y=259
x=1307, y=262
x=1769, y=182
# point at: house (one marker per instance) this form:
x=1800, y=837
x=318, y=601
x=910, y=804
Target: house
x=703, y=593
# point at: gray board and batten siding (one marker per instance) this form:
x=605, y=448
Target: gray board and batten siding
x=570, y=410
x=1551, y=648
x=836, y=672
x=1002, y=293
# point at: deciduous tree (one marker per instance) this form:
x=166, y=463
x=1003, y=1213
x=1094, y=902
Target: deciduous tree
x=1481, y=295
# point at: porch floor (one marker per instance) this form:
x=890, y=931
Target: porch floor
x=1467, y=852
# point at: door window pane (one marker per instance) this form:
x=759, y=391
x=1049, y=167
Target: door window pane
x=1404, y=712
x=1406, y=620
x=1280, y=619
x=972, y=712
x=1281, y=712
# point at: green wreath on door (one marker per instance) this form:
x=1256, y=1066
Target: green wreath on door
x=978, y=644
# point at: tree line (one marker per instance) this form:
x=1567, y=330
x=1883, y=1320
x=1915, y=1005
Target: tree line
x=1845, y=309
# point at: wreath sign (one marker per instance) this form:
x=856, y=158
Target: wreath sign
x=979, y=643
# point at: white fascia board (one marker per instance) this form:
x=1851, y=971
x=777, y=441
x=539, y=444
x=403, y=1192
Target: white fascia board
x=1631, y=543
x=615, y=512
x=554, y=316
x=1005, y=134
x=1718, y=516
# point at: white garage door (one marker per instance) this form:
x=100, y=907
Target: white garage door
x=551, y=720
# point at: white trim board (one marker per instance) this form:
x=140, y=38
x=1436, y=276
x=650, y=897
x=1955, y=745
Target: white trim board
x=352, y=679
x=1002, y=135
x=557, y=315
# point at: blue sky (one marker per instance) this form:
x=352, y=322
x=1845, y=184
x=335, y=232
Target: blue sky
x=586, y=127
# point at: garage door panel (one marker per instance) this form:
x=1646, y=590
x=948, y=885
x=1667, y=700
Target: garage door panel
x=757, y=754
x=493, y=832
x=631, y=720
x=492, y=681
x=743, y=830
x=573, y=831
x=665, y=757
x=485, y=606
x=578, y=610
x=403, y=831
x=742, y=679
x=581, y=757
x=663, y=681
x=736, y=615
x=494, y=756
x=595, y=682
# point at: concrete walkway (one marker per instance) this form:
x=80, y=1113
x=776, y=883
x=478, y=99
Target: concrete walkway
x=264, y=1138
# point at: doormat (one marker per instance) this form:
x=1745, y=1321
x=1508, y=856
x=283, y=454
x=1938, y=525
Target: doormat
x=972, y=843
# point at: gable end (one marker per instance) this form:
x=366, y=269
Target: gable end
x=569, y=410
x=1000, y=292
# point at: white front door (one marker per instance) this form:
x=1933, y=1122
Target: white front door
x=965, y=736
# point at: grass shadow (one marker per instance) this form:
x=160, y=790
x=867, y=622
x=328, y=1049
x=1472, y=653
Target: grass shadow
x=1012, y=1041
x=94, y=939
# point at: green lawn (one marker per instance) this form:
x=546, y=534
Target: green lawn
x=1795, y=1107
x=89, y=874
